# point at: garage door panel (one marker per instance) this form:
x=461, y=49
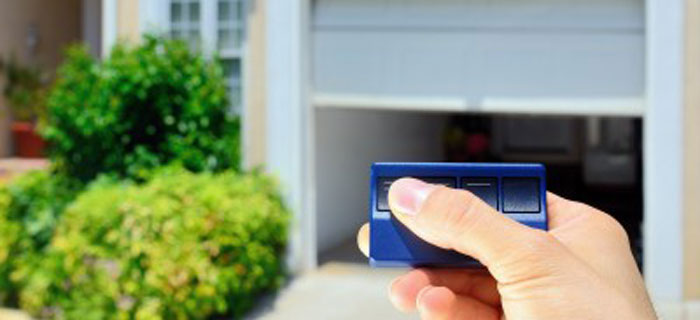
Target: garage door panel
x=535, y=14
x=507, y=55
x=479, y=65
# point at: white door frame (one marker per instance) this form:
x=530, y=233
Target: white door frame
x=663, y=154
x=290, y=154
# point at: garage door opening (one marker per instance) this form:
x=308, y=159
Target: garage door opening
x=595, y=160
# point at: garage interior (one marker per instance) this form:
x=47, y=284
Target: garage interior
x=596, y=160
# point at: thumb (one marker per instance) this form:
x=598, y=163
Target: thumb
x=458, y=220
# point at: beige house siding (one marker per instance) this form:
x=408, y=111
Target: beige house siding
x=691, y=185
x=128, y=20
x=57, y=24
x=254, y=88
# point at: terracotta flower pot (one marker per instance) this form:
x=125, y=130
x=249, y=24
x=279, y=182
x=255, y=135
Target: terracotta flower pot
x=27, y=143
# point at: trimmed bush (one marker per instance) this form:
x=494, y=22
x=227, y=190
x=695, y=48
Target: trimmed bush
x=195, y=240
x=141, y=108
x=180, y=246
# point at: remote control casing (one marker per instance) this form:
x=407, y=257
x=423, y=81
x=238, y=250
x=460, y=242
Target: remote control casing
x=517, y=190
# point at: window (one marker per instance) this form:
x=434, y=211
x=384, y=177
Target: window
x=184, y=21
x=230, y=25
x=229, y=40
x=215, y=26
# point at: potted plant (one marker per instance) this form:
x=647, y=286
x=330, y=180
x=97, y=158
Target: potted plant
x=25, y=92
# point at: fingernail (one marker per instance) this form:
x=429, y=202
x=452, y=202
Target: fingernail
x=407, y=195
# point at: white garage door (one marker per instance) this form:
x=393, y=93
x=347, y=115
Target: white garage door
x=547, y=56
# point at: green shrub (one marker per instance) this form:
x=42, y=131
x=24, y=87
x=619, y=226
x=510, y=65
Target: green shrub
x=9, y=233
x=30, y=207
x=180, y=246
x=141, y=108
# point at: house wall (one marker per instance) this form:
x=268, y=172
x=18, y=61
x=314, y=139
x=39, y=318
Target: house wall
x=128, y=28
x=92, y=25
x=691, y=155
x=346, y=144
x=57, y=24
x=254, y=126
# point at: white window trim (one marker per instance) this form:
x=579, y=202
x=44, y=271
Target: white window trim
x=207, y=25
x=153, y=17
x=109, y=26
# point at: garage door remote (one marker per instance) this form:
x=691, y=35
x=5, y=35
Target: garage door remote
x=516, y=190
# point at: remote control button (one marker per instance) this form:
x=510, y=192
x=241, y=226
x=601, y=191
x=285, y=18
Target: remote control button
x=521, y=195
x=483, y=187
x=444, y=181
x=382, y=189
x=384, y=183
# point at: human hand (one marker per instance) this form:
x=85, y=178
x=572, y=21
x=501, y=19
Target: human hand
x=582, y=268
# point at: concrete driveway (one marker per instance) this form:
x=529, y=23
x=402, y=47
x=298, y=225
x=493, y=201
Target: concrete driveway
x=334, y=291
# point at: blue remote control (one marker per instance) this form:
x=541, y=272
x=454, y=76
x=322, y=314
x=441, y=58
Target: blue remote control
x=516, y=190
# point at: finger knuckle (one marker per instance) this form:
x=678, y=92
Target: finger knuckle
x=604, y=223
x=613, y=227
